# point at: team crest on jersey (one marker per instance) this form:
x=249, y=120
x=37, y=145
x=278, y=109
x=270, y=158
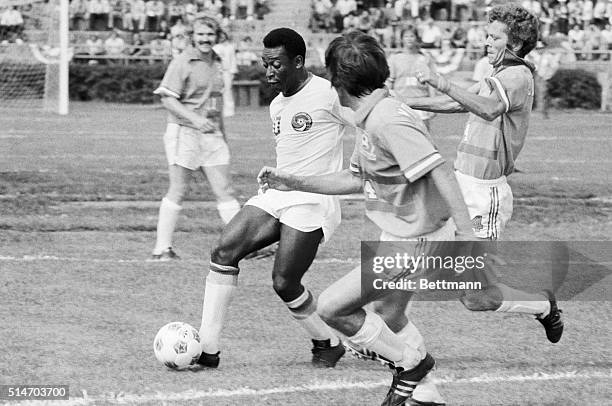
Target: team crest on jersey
x=301, y=122
x=367, y=149
x=276, y=125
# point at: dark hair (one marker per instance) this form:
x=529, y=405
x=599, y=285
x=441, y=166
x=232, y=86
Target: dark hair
x=522, y=25
x=412, y=29
x=291, y=41
x=356, y=63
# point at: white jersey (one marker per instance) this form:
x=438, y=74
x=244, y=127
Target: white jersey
x=308, y=127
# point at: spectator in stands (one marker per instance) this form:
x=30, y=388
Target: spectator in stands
x=459, y=36
x=160, y=48
x=179, y=39
x=403, y=67
x=606, y=41
x=175, y=12
x=215, y=8
x=592, y=42
x=439, y=9
x=430, y=34
x=150, y=11
x=138, y=47
x=448, y=58
x=115, y=16
x=11, y=22
x=178, y=27
x=575, y=12
x=242, y=6
x=461, y=10
x=126, y=15
x=321, y=16
x=77, y=11
x=191, y=9
x=114, y=46
x=138, y=14
x=350, y=21
x=98, y=14
x=227, y=52
x=344, y=7
x=546, y=60
x=245, y=55
x=609, y=11
x=381, y=25
x=599, y=13
x=364, y=22
x=95, y=47
x=561, y=17
x=163, y=29
x=576, y=39
x=476, y=37
x=587, y=13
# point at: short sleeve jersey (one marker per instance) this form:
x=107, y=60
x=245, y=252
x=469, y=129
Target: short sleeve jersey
x=489, y=149
x=308, y=127
x=393, y=155
x=403, y=69
x=197, y=83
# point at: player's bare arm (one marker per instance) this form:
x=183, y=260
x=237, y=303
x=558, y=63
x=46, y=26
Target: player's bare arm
x=338, y=183
x=173, y=105
x=447, y=184
x=484, y=107
x=439, y=104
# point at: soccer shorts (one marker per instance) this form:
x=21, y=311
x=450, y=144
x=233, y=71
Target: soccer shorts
x=302, y=211
x=489, y=203
x=191, y=148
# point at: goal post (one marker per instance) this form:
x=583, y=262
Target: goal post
x=34, y=68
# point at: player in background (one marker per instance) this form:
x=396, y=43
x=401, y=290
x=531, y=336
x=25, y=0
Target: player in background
x=308, y=124
x=403, y=67
x=499, y=110
x=410, y=194
x=191, y=92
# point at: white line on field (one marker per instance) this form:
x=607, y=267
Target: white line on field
x=318, y=386
x=32, y=258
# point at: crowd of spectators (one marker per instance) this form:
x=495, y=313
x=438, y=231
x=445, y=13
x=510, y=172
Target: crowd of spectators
x=586, y=23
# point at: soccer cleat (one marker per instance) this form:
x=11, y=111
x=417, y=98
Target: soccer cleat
x=364, y=353
x=324, y=355
x=552, y=323
x=209, y=360
x=404, y=382
x=166, y=255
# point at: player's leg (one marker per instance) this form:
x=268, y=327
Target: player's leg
x=169, y=211
x=220, y=182
x=215, y=162
x=341, y=305
x=251, y=229
x=295, y=253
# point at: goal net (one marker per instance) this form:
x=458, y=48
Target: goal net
x=33, y=57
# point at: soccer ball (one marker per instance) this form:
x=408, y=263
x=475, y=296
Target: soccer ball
x=177, y=345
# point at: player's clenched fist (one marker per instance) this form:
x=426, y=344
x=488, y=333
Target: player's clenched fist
x=205, y=125
x=426, y=76
x=272, y=178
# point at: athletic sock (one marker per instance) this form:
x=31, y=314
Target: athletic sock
x=517, y=301
x=376, y=336
x=221, y=283
x=227, y=210
x=168, y=216
x=412, y=336
x=304, y=310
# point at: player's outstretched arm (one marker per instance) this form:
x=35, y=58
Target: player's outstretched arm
x=447, y=184
x=338, y=183
x=487, y=108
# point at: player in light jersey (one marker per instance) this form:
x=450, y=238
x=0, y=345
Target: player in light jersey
x=403, y=67
x=410, y=193
x=191, y=92
x=500, y=108
x=308, y=124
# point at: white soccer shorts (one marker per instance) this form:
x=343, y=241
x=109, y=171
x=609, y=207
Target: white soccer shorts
x=302, y=211
x=191, y=148
x=489, y=203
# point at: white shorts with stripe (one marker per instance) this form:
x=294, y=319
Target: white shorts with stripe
x=191, y=148
x=302, y=211
x=489, y=203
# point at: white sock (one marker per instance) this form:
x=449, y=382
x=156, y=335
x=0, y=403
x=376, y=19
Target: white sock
x=227, y=210
x=517, y=301
x=168, y=215
x=412, y=336
x=221, y=283
x=304, y=310
x=376, y=336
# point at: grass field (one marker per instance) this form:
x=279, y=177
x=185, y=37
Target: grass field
x=80, y=305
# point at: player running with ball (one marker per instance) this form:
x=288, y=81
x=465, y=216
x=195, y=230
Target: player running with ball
x=308, y=124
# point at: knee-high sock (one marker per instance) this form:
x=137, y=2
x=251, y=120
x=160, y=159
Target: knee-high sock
x=412, y=336
x=304, y=310
x=228, y=209
x=517, y=301
x=221, y=283
x=376, y=336
x=168, y=215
